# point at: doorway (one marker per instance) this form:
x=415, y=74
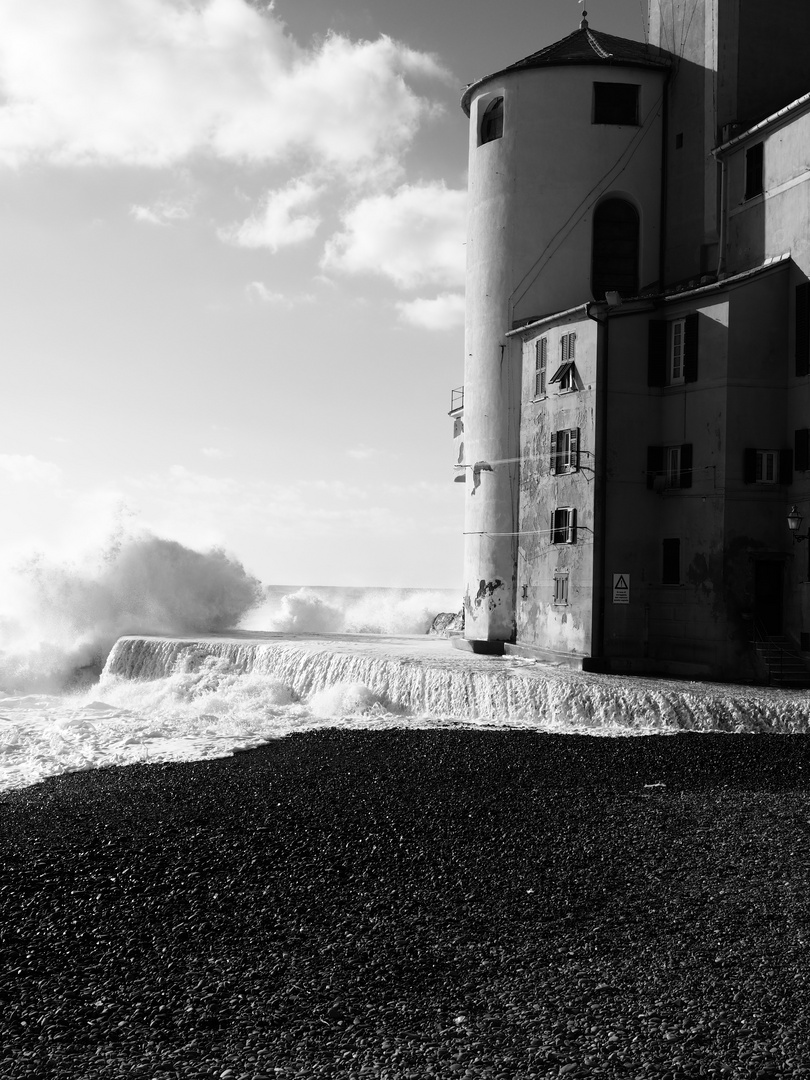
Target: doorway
x=768, y=587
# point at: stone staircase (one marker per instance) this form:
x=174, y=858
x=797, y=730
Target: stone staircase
x=783, y=661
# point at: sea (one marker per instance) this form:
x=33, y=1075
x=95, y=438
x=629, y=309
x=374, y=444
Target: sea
x=151, y=652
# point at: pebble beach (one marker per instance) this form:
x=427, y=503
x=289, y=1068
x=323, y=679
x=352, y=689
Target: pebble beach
x=392, y=904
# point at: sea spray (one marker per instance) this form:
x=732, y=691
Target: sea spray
x=61, y=618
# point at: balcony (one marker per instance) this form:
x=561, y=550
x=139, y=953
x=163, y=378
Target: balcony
x=457, y=402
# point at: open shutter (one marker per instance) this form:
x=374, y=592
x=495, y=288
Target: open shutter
x=686, y=466
x=572, y=526
x=574, y=450
x=690, y=347
x=803, y=328
x=749, y=465
x=801, y=449
x=785, y=466
x=657, y=354
x=655, y=464
x=553, y=452
x=552, y=532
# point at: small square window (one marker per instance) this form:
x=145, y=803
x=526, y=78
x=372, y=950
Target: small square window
x=540, y=367
x=754, y=171
x=615, y=103
x=564, y=525
x=767, y=467
x=561, y=587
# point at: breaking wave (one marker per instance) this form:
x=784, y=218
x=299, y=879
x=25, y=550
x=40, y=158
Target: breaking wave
x=59, y=619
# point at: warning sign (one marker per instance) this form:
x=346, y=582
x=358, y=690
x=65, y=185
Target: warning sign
x=621, y=588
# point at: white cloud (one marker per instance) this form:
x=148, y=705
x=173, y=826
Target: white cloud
x=152, y=82
x=163, y=212
x=27, y=469
x=279, y=223
x=415, y=236
x=213, y=452
x=259, y=293
x=443, y=312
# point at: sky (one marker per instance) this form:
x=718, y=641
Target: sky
x=232, y=273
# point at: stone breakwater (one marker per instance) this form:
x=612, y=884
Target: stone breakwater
x=412, y=904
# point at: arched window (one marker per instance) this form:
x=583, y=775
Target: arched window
x=614, y=259
x=492, y=121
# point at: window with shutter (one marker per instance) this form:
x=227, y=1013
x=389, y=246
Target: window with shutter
x=655, y=465
x=564, y=525
x=540, y=367
x=561, y=587
x=565, y=451
x=657, y=353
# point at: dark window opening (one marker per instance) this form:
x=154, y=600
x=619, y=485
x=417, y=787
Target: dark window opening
x=492, y=121
x=564, y=525
x=753, y=171
x=671, y=562
x=614, y=263
x=679, y=140
x=615, y=103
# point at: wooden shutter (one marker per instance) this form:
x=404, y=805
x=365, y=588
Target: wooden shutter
x=801, y=449
x=685, y=480
x=657, y=354
x=803, y=328
x=690, y=347
x=749, y=465
x=554, y=458
x=655, y=464
x=552, y=532
x=571, y=537
x=574, y=458
x=785, y=466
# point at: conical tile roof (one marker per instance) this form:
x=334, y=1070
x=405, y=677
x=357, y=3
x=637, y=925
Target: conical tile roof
x=584, y=46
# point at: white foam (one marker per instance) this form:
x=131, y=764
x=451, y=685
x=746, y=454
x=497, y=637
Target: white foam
x=167, y=699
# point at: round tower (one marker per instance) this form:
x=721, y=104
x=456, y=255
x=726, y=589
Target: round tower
x=565, y=159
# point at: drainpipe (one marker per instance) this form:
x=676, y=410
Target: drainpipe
x=600, y=480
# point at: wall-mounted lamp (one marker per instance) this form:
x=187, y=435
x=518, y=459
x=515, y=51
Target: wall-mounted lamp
x=794, y=521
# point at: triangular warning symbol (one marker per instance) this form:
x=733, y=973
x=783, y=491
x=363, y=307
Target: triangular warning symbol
x=620, y=583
